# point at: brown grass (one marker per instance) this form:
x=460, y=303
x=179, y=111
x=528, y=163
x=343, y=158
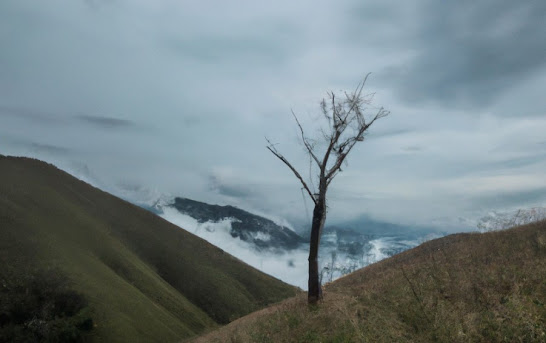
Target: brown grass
x=469, y=287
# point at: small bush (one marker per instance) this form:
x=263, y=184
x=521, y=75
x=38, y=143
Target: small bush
x=38, y=306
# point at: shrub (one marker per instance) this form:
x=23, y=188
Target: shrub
x=38, y=306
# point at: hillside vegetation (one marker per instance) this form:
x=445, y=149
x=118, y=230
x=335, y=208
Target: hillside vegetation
x=142, y=278
x=469, y=287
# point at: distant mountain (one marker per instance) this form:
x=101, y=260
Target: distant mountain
x=261, y=232
x=503, y=220
x=146, y=280
x=376, y=228
x=352, y=245
x=281, y=252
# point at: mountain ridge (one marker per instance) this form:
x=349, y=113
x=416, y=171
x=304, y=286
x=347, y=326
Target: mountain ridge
x=249, y=227
x=146, y=279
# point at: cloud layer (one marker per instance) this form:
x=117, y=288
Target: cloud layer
x=177, y=97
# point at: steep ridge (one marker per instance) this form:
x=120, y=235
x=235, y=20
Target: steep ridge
x=146, y=280
x=470, y=287
x=259, y=231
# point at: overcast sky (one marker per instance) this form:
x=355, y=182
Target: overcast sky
x=168, y=96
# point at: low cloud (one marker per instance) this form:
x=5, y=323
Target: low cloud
x=29, y=114
x=105, y=122
x=222, y=182
x=49, y=149
x=511, y=200
x=412, y=148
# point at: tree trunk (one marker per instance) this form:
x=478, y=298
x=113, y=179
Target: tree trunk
x=314, y=293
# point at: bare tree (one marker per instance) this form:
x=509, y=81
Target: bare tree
x=346, y=122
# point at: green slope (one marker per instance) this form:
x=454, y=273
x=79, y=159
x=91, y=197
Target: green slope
x=145, y=279
x=468, y=287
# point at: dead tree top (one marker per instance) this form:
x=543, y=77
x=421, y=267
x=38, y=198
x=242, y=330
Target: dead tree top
x=347, y=123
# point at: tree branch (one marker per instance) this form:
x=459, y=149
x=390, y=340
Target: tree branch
x=351, y=142
x=347, y=125
x=305, y=142
x=357, y=94
x=274, y=151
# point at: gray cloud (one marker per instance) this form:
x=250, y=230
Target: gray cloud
x=105, y=122
x=97, y=4
x=519, y=162
x=33, y=115
x=390, y=133
x=510, y=200
x=470, y=52
x=232, y=191
x=214, y=49
x=216, y=184
x=412, y=148
x=27, y=114
x=36, y=148
x=49, y=149
x=208, y=81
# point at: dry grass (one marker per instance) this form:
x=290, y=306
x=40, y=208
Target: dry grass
x=474, y=287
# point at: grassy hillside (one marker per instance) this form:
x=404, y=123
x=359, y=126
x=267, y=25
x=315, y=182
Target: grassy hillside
x=469, y=287
x=145, y=279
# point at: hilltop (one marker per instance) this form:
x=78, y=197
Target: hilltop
x=143, y=278
x=469, y=287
